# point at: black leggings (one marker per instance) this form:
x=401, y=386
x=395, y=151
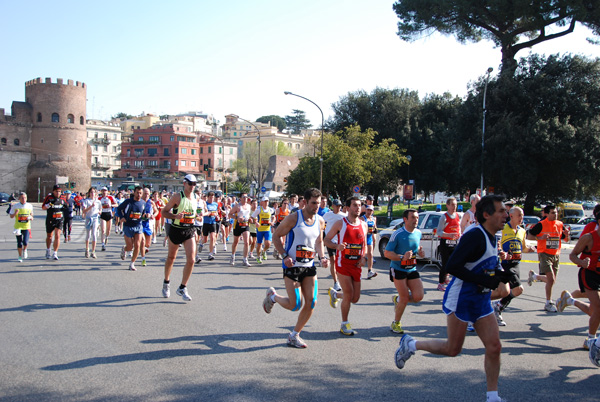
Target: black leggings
x=445, y=253
x=67, y=225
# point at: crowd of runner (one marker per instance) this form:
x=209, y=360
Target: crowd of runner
x=479, y=275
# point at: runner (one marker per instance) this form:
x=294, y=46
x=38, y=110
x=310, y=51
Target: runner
x=118, y=224
x=513, y=244
x=55, y=207
x=474, y=266
x=330, y=218
x=549, y=234
x=225, y=221
x=68, y=218
x=351, y=242
x=131, y=212
x=22, y=213
x=108, y=203
x=148, y=223
x=200, y=212
x=158, y=202
x=372, y=231
x=209, y=227
x=241, y=215
x=264, y=217
x=469, y=218
x=181, y=208
x=280, y=214
x=449, y=232
x=91, y=208
x=299, y=272
x=402, y=250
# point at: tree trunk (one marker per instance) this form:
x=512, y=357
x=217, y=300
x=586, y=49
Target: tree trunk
x=529, y=204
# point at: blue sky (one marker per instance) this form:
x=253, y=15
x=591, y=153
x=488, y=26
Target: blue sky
x=234, y=56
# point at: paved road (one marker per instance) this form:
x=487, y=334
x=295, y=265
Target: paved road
x=81, y=329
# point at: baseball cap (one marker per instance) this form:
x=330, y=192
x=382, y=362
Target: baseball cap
x=56, y=187
x=191, y=178
x=264, y=199
x=67, y=192
x=104, y=188
x=370, y=198
x=336, y=202
x=370, y=207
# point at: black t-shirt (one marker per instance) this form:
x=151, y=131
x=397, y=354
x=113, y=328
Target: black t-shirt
x=58, y=207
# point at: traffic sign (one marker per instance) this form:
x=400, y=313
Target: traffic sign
x=356, y=189
x=263, y=189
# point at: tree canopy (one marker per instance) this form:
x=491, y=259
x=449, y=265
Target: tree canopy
x=275, y=120
x=297, y=121
x=511, y=25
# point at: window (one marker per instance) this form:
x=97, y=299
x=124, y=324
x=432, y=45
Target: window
x=184, y=151
x=220, y=150
x=81, y=120
x=234, y=134
x=176, y=150
x=182, y=163
x=3, y=141
x=139, y=164
x=59, y=141
x=152, y=151
x=70, y=118
x=42, y=140
x=106, y=136
x=176, y=162
x=289, y=144
x=140, y=139
x=55, y=118
x=96, y=148
x=201, y=150
x=128, y=153
x=114, y=136
x=153, y=163
x=193, y=163
x=166, y=151
x=209, y=149
x=209, y=164
x=114, y=149
x=96, y=135
x=172, y=138
x=139, y=152
x=194, y=151
x=39, y=117
x=297, y=146
x=140, y=175
x=105, y=148
x=201, y=161
x=230, y=151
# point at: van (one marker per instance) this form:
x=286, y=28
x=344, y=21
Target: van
x=569, y=209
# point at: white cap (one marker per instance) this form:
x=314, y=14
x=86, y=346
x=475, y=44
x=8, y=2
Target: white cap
x=264, y=199
x=370, y=207
x=103, y=188
x=191, y=178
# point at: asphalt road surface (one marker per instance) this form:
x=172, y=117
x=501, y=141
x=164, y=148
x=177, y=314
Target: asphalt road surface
x=81, y=329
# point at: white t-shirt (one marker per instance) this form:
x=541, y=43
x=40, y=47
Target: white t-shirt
x=331, y=218
x=96, y=207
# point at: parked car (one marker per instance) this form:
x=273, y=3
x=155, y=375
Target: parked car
x=577, y=228
x=4, y=198
x=589, y=205
x=530, y=221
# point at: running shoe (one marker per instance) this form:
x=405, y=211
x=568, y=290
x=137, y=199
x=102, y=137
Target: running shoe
x=232, y=260
x=403, y=353
x=586, y=343
x=530, y=279
x=200, y=247
x=337, y=287
x=143, y=262
x=251, y=256
x=87, y=254
x=166, y=290
x=215, y=250
x=20, y=259
x=267, y=302
x=69, y=237
x=296, y=342
x=550, y=307
x=264, y=256
x=66, y=241
x=246, y=263
x=498, y=314
x=371, y=274
x=103, y=247
x=470, y=327
x=441, y=287
x=123, y=253
x=275, y=255
x=210, y=257
x=258, y=260
x=93, y=255
x=132, y=266
x=184, y=294
x=333, y=299
x=395, y=300
x=55, y=256
x=396, y=327
x=154, y=240
x=594, y=351
x=561, y=302
x=224, y=247
x=347, y=330
x=25, y=255
x=198, y=260
x=48, y=254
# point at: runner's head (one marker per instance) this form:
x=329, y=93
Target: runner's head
x=91, y=192
x=550, y=211
x=22, y=197
x=312, y=198
x=474, y=200
x=336, y=205
x=451, y=205
x=353, y=207
x=411, y=219
x=137, y=193
x=104, y=191
x=369, y=211
x=56, y=190
x=210, y=197
x=491, y=209
x=516, y=216
x=264, y=202
x=146, y=194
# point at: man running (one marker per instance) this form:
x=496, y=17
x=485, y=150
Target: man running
x=513, y=244
x=449, y=232
x=181, y=209
x=402, y=250
x=131, y=212
x=209, y=226
x=549, y=234
x=240, y=213
x=330, y=218
x=474, y=265
x=469, y=218
x=280, y=215
x=22, y=213
x=55, y=207
x=372, y=231
x=264, y=217
x=351, y=235
x=108, y=203
x=68, y=217
x=150, y=212
x=305, y=242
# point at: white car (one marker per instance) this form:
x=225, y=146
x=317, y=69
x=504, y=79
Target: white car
x=577, y=228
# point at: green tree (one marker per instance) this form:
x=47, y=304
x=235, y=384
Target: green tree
x=275, y=120
x=122, y=116
x=238, y=187
x=510, y=25
x=297, y=121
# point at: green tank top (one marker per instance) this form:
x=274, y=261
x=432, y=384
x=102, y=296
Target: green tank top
x=188, y=207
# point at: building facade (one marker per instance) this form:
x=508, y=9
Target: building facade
x=104, y=139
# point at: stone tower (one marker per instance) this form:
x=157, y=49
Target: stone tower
x=58, y=135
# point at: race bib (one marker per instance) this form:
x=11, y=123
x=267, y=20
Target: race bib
x=552, y=243
x=410, y=263
x=265, y=222
x=371, y=230
x=57, y=215
x=188, y=219
x=353, y=252
x=135, y=215
x=23, y=218
x=304, y=254
x=514, y=256
x=242, y=222
x=451, y=243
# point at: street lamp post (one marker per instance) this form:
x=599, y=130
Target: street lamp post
x=322, y=129
x=258, y=138
x=409, y=158
x=487, y=79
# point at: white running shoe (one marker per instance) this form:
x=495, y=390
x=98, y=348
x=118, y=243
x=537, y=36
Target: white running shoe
x=123, y=253
x=267, y=302
x=296, y=342
x=25, y=256
x=232, y=260
x=333, y=299
x=561, y=302
x=87, y=254
x=246, y=263
x=132, y=266
x=154, y=240
x=48, y=254
x=403, y=353
x=166, y=290
x=550, y=307
x=371, y=274
x=225, y=247
x=55, y=256
x=530, y=279
x=184, y=294
x=498, y=314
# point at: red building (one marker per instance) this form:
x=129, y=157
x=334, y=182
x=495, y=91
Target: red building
x=160, y=150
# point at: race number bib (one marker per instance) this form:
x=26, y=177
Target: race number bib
x=552, y=243
x=188, y=219
x=304, y=254
x=353, y=252
x=135, y=215
x=408, y=264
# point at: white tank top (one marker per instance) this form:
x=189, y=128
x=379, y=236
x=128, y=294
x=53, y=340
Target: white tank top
x=300, y=242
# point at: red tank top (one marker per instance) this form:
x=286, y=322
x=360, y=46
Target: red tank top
x=452, y=226
x=593, y=254
x=354, y=237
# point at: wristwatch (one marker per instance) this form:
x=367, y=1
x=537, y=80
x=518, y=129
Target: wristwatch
x=284, y=256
